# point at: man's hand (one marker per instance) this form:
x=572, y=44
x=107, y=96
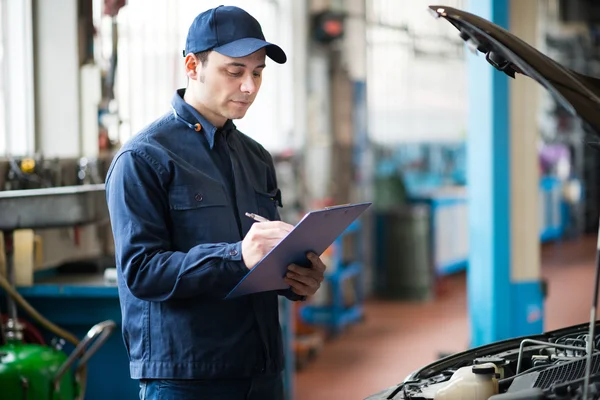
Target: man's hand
x=261, y=238
x=306, y=281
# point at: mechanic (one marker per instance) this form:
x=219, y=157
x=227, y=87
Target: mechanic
x=177, y=194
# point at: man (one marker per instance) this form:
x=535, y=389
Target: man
x=177, y=194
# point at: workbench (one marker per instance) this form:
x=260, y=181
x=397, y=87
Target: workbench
x=449, y=221
x=449, y=227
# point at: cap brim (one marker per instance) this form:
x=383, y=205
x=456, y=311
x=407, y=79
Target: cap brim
x=245, y=47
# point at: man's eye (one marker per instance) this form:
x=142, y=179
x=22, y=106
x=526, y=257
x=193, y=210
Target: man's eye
x=234, y=74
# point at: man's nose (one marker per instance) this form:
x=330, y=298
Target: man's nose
x=248, y=84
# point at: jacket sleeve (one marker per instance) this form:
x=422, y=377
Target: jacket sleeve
x=147, y=265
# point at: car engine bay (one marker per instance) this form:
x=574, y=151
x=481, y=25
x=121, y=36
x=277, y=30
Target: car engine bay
x=550, y=366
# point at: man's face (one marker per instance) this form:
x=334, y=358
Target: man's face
x=227, y=86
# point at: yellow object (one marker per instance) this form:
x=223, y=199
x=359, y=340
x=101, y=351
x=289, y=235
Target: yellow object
x=28, y=165
x=28, y=256
x=23, y=257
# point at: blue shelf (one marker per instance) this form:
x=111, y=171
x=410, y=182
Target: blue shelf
x=453, y=267
x=325, y=315
x=352, y=270
x=337, y=315
x=554, y=214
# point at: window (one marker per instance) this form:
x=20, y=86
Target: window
x=409, y=96
x=16, y=78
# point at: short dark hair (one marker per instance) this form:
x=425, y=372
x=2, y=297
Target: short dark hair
x=203, y=56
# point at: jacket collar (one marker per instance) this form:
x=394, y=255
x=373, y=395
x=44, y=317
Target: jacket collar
x=190, y=116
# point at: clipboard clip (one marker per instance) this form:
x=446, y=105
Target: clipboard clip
x=337, y=206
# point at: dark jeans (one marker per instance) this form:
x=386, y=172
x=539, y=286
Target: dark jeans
x=263, y=388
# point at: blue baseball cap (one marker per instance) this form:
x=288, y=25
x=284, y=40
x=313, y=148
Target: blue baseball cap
x=230, y=31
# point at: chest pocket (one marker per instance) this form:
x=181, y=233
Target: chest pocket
x=191, y=197
x=268, y=202
x=199, y=213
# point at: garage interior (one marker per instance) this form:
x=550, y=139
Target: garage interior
x=485, y=190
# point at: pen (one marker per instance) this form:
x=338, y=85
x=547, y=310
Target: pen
x=257, y=217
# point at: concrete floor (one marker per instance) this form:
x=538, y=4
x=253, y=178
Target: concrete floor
x=397, y=338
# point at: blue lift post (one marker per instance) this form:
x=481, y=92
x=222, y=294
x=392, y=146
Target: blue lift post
x=498, y=307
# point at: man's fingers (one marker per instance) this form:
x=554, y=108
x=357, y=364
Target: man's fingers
x=272, y=232
x=299, y=288
x=294, y=283
x=261, y=239
x=307, y=272
x=275, y=234
x=317, y=267
x=316, y=262
x=299, y=270
x=304, y=279
x=261, y=226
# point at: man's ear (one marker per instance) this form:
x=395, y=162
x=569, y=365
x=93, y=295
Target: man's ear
x=191, y=66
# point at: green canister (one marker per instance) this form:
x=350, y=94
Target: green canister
x=28, y=371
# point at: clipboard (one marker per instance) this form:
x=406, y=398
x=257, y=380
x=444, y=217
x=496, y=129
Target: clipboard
x=315, y=232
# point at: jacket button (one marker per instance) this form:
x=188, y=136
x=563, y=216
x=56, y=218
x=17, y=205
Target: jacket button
x=233, y=253
x=198, y=197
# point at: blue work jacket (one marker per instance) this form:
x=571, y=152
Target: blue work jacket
x=177, y=199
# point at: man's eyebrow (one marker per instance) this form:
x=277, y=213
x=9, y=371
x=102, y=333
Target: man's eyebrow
x=242, y=65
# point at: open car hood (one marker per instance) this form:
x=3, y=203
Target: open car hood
x=577, y=93
x=555, y=365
